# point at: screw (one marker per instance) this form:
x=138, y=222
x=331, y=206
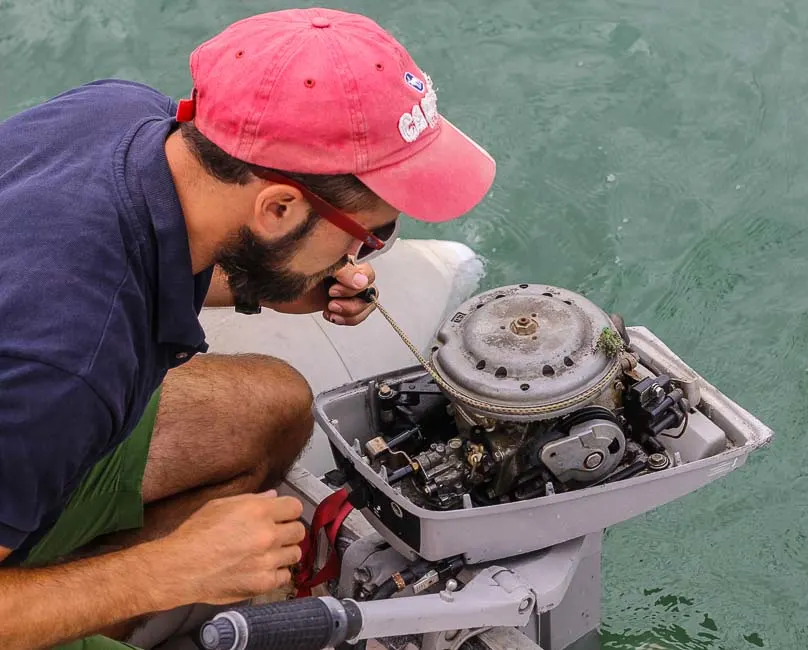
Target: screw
x=451, y=585
x=385, y=390
x=525, y=605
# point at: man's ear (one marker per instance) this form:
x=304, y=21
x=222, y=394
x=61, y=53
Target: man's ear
x=279, y=209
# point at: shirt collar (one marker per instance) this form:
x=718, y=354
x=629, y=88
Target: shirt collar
x=180, y=294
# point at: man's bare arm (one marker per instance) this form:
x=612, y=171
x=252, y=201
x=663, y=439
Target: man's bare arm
x=42, y=607
x=231, y=549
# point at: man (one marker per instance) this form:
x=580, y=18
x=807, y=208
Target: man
x=123, y=214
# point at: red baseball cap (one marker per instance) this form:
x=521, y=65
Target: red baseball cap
x=322, y=91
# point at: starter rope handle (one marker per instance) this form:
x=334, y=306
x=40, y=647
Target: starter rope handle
x=329, y=515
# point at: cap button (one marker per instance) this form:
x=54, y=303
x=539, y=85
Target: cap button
x=320, y=21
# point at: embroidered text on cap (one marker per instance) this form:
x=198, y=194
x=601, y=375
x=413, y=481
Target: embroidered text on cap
x=422, y=116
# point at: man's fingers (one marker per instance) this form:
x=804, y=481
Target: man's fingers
x=339, y=319
x=283, y=509
x=347, y=310
x=368, y=272
x=291, y=533
x=286, y=556
x=354, y=320
x=283, y=577
x=352, y=279
x=348, y=307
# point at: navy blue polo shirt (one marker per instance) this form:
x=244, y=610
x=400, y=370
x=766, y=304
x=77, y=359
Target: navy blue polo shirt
x=97, y=294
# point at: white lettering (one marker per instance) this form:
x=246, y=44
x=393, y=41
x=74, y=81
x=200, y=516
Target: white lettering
x=424, y=115
x=420, y=121
x=407, y=128
x=430, y=105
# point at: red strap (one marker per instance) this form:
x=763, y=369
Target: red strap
x=186, y=110
x=330, y=514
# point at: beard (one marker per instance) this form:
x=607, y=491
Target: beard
x=259, y=272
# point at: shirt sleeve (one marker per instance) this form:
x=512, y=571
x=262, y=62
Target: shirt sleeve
x=52, y=424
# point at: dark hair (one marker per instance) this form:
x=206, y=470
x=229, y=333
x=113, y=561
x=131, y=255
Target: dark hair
x=343, y=191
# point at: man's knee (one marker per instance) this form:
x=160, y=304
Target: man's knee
x=283, y=394
x=280, y=400
x=245, y=417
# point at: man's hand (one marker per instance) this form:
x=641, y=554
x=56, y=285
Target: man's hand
x=234, y=548
x=343, y=308
x=229, y=550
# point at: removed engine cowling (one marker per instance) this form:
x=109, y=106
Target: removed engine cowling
x=536, y=394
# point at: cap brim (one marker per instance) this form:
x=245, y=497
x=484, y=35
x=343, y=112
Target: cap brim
x=441, y=182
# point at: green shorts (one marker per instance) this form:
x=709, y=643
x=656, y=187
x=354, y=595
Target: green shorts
x=107, y=500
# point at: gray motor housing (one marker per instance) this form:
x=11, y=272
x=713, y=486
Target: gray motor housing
x=488, y=533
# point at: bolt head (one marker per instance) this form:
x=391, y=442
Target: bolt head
x=524, y=326
x=658, y=461
x=594, y=460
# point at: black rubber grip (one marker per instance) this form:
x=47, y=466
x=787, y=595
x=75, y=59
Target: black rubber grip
x=303, y=624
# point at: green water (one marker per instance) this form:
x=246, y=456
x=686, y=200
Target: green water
x=652, y=155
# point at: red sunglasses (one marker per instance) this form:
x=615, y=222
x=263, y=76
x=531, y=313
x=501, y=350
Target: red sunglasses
x=373, y=242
